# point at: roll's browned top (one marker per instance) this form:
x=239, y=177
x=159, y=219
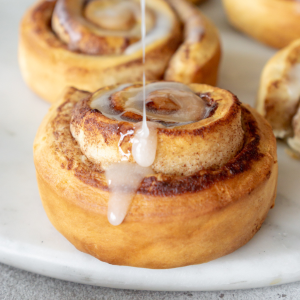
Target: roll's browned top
x=209, y=141
x=255, y=151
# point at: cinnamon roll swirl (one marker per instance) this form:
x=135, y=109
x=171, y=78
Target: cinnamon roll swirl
x=272, y=22
x=95, y=43
x=210, y=187
x=279, y=94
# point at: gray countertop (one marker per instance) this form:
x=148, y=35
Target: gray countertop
x=18, y=284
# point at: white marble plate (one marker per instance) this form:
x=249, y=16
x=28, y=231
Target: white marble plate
x=28, y=240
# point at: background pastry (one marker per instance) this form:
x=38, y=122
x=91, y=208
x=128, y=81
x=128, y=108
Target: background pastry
x=191, y=208
x=196, y=1
x=279, y=94
x=65, y=43
x=272, y=22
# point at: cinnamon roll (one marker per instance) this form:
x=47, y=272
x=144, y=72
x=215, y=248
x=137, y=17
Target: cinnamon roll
x=95, y=43
x=272, y=22
x=209, y=187
x=279, y=94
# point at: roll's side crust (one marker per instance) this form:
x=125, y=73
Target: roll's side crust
x=173, y=221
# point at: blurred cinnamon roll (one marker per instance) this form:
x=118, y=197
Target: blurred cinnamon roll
x=272, y=22
x=210, y=186
x=90, y=44
x=279, y=94
x=196, y=1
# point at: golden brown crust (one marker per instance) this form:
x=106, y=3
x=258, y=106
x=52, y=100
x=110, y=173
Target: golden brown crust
x=48, y=66
x=173, y=220
x=272, y=22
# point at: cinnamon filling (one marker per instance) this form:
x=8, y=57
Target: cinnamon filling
x=168, y=103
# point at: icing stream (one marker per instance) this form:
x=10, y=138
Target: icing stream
x=167, y=102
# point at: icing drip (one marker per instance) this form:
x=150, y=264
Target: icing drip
x=171, y=102
x=144, y=144
x=124, y=179
x=123, y=182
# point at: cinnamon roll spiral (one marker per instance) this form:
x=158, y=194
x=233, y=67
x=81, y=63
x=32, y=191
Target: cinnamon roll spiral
x=95, y=43
x=207, y=193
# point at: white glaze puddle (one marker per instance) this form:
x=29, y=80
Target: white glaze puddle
x=191, y=107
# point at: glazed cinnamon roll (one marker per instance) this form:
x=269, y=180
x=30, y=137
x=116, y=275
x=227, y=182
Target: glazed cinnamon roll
x=204, y=193
x=95, y=43
x=272, y=22
x=279, y=94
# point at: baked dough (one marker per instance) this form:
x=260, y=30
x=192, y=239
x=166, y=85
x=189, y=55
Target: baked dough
x=272, y=22
x=174, y=220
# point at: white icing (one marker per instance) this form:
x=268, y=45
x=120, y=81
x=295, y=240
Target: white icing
x=119, y=14
x=125, y=178
x=194, y=30
x=161, y=29
x=144, y=144
x=74, y=36
x=192, y=107
x=123, y=181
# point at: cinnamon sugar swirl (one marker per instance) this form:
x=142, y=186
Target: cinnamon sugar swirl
x=210, y=187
